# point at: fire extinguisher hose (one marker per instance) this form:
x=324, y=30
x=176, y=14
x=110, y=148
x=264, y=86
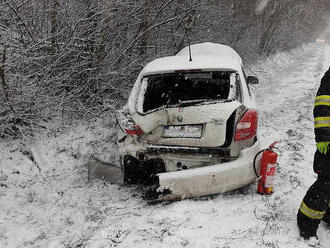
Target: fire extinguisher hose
x=255, y=159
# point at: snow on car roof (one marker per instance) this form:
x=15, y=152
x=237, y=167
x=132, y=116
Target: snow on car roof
x=211, y=49
x=204, y=56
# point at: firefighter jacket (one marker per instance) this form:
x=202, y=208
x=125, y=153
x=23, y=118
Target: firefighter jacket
x=322, y=110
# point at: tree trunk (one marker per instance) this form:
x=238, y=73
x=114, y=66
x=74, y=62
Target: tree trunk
x=144, y=25
x=270, y=27
x=100, y=51
x=189, y=23
x=3, y=78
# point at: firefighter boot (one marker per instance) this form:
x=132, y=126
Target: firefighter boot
x=307, y=226
x=307, y=229
x=326, y=217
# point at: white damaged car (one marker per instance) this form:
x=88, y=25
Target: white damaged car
x=190, y=124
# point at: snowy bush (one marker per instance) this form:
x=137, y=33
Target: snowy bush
x=77, y=59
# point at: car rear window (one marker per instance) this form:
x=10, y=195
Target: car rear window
x=185, y=88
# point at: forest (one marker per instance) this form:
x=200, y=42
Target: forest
x=73, y=60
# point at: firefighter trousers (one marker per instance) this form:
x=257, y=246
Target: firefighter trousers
x=315, y=205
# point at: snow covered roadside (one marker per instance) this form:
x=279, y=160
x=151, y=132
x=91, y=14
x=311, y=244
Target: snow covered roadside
x=57, y=207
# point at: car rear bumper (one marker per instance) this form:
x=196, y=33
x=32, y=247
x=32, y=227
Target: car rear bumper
x=211, y=179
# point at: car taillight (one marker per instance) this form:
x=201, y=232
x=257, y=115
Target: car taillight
x=134, y=130
x=247, y=127
x=127, y=124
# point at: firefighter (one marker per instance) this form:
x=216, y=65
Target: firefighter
x=315, y=205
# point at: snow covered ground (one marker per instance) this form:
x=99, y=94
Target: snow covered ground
x=49, y=202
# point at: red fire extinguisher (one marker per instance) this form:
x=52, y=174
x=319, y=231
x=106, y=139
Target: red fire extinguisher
x=267, y=170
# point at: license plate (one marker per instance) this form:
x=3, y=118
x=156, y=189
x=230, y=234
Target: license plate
x=184, y=131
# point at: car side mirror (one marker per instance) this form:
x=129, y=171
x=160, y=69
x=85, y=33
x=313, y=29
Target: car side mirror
x=252, y=80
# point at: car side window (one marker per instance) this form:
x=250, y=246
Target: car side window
x=244, y=74
x=238, y=87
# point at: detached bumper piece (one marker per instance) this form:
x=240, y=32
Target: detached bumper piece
x=187, y=150
x=209, y=180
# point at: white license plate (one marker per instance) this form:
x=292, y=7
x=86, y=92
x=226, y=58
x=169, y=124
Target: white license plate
x=184, y=131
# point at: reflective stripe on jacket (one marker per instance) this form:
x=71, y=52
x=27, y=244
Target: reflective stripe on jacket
x=322, y=110
x=311, y=213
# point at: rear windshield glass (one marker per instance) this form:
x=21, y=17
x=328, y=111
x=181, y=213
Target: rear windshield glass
x=185, y=89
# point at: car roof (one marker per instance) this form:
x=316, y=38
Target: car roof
x=205, y=56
